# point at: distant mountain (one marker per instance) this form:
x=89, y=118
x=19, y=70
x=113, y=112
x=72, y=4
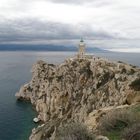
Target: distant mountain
x=95, y=49
x=17, y=47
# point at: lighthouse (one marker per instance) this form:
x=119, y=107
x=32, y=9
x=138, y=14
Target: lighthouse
x=81, y=51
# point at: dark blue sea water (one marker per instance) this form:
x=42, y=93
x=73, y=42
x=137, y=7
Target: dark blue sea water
x=16, y=117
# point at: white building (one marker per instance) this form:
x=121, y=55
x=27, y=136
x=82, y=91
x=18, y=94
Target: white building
x=81, y=51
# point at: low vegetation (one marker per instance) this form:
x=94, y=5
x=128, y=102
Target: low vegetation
x=132, y=132
x=121, y=124
x=74, y=131
x=136, y=84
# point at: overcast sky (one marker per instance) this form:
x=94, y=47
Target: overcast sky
x=51, y=21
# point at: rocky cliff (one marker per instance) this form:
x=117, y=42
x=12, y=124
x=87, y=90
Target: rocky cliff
x=77, y=89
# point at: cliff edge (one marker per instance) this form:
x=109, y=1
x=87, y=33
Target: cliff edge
x=77, y=89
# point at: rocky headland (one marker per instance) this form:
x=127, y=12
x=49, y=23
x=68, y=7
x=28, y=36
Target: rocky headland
x=79, y=90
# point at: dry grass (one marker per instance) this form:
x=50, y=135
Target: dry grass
x=132, y=132
x=74, y=131
x=118, y=121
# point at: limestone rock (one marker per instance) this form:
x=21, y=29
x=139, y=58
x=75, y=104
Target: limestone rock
x=76, y=89
x=101, y=138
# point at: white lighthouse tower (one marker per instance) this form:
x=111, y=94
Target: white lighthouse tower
x=81, y=51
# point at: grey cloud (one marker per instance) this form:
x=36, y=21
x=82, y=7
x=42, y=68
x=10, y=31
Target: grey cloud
x=70, y=1
x=96, y=3
x=33, y=29
x=79, y=2
x=64, y=1
x=76, y=1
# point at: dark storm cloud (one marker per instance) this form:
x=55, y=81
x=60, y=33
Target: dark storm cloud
x=32, y=29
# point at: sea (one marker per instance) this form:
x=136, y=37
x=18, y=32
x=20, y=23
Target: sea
x=16, y=118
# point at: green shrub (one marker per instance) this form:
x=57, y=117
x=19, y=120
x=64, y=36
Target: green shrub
x=117, y=121
x=135, y=84
x=74, y=131
x=132, y=132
